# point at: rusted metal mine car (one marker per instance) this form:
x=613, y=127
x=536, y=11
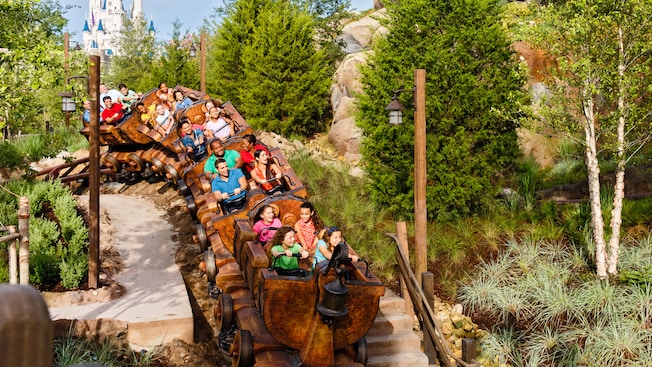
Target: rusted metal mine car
x=264, y=319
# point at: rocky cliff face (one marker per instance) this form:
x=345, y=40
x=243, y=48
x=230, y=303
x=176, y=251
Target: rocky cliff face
x=358, y=37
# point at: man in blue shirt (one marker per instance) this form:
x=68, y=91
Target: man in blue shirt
x=229, y=185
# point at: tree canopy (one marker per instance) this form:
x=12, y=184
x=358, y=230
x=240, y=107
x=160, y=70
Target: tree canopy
x=602, y=88
x=264, y=58
x=30, y=69
x=473, y=99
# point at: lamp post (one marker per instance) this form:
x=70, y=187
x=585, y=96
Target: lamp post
x=68, y=105
x=395, y=109
x=202, y=61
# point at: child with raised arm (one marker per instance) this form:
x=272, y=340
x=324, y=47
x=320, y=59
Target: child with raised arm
x=268, y=224
x=306, y=226
x=330, y=238
x=284, y=246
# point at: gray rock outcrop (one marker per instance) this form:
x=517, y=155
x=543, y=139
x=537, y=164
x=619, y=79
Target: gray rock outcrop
x=358, y=37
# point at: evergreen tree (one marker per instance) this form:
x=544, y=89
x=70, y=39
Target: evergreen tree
x=225, y=70
x=286, y=78
x=134, y=61
x=473, y=96
x=175, y=66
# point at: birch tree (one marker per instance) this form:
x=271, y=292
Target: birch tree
x=603, y=52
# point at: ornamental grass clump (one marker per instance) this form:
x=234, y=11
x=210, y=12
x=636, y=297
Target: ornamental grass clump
x=547, y=308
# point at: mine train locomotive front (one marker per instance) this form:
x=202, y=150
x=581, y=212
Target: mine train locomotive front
x=263, y=318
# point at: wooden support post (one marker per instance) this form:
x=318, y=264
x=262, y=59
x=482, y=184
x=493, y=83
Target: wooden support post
x=469, y=350
x=66, y=53
x=420, y=176
x=25, y=328
x=428, y=287
x=23, y=230
x=94, y=177
x=202, y=63
x=401, y=234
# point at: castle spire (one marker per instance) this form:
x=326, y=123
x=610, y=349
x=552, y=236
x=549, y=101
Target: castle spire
x=137, y=9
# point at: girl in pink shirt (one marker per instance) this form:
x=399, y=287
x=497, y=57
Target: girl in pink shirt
x=267, y=225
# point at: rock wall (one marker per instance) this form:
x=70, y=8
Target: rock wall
x=358, y=37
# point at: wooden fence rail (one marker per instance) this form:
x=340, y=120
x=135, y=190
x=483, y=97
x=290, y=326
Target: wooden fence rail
x=432, y=327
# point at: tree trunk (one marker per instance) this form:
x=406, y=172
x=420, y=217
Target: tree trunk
x=619, y=186
x=597, y=223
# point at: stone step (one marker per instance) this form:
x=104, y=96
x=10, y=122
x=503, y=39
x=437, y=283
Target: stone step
x=391, y=304
x=392, y=344
x=391, y=324
x=399, y=360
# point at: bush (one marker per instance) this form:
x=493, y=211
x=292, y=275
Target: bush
x=57, y=248
x=10, y=156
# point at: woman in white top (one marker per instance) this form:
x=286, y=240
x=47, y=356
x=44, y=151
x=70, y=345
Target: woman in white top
x=217, y=127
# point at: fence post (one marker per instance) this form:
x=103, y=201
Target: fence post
x=13, y=258
x=428, y=287
x=401, y=235
x=469, y=350
x=25, y=328
x=23, y=230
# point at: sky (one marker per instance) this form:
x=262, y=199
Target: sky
x=191, y=13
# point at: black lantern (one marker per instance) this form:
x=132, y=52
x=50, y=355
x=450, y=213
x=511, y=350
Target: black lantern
x=334, y=304
x=193, y=50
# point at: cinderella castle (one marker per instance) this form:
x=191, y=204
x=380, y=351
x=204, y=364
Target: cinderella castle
x=104, y=21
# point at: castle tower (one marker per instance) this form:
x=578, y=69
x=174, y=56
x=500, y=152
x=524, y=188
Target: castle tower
x=137, y=9
x=105, y=19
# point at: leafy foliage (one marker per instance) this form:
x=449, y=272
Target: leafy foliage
x=30, y=72
x=473, y=102
x=134, y=63
x=175, y=66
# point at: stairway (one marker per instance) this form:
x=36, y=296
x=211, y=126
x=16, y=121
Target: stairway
x=391, y=341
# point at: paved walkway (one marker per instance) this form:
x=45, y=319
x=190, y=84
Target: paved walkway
x=155, y=307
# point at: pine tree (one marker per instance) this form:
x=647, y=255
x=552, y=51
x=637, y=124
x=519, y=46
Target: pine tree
x=225, y=70
x=175, y=66
x=286, y=78
x=473, y=97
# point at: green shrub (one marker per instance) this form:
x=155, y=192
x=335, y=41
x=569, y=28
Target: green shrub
x=35, y=146
x=57, y=248
x=10, y=156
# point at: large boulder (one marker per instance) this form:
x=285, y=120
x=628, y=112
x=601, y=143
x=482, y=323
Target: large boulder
x=346, y=107
x=348, y=74
x=346, y=137
x=363, y=30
